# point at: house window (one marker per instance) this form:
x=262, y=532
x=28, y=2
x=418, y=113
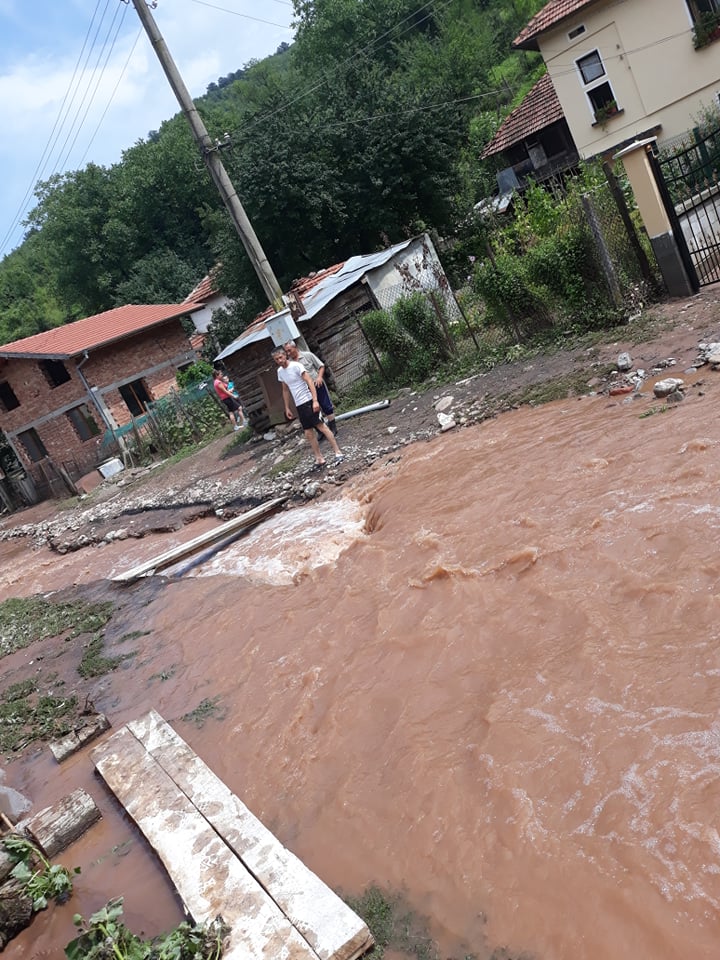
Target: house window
x=8, y=400
x=55, y=372
x=577, y=32
x=699, y=7
x=591, y=67
x=84, y=424
x=136, y=397
x=597, y=87
x=33, y=444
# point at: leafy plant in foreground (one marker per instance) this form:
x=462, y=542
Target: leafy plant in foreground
x=47, y=882
x=105, y=937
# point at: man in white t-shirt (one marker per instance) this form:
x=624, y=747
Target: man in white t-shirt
x=298, y=384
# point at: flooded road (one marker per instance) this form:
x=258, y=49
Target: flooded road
x=487, y=673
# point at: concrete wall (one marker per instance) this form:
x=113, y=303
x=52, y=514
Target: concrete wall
x=416, y=268
x=656, y=74
x=152, y=356
x=202, y=318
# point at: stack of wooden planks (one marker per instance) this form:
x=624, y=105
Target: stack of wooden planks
x=220, y=857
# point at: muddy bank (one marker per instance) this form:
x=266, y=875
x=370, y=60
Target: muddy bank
x=225, y=478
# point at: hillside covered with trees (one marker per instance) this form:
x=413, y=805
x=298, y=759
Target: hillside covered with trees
x=366, y=130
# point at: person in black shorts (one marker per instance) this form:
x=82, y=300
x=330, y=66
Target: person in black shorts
x=228, y=400
x=298, y=384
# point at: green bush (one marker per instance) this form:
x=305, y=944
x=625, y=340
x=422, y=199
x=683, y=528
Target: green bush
x=417, y=316
x=199, y=372
x=409, y=339
x=511, y=298
x=394, y=344
x=565, y=266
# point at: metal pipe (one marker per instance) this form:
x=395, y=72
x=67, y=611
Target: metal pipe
x=380, y=405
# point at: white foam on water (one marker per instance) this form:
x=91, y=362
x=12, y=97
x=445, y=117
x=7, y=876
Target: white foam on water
x=286, y=546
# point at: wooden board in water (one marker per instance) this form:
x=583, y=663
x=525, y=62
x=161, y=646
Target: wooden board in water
x=228, y=529
x=333, y=930
x=208, y=876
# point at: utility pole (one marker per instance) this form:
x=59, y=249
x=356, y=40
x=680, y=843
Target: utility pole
x=211, y=156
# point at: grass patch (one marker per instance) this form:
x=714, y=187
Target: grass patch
x=652, y=411
x=25, y=620
x=133, y=635
x=203, y=711
x=94, y=663
x=242, y=436
x=394, y=925
x=559, y=388
x=287, y=465
x=397, y=928
x=164, y=674
x=26, y=715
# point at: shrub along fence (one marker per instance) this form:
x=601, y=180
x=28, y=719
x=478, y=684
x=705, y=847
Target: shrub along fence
x=575, y=260
x=179, y=419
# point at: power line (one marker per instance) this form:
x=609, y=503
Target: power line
x=97, y=81
x=335, y=124
x=236, y=13
x=112, y=97
x=50, y=144
x=61, y=163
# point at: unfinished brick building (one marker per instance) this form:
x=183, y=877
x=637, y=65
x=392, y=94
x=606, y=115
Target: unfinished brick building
x=65, y=391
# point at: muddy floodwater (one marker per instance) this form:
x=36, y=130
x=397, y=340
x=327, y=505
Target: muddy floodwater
x=486, y=673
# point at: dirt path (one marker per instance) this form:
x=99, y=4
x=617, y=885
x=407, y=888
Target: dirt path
x=226, y=478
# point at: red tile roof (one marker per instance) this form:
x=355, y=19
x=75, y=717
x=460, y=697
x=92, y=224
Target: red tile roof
x=550, y=15
x=72, y=339
x=538, y=110
x=301, y=287
x=204, y=291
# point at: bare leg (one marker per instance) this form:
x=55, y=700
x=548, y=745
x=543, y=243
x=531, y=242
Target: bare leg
x=328, y=434
x=312, y=440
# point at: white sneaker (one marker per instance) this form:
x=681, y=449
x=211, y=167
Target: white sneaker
x=237, y=427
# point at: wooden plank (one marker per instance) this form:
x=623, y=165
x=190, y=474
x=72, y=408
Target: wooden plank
x=227, y=529
x=333, y=930
x=68, y=745
x=208, y=876
x=59, y=825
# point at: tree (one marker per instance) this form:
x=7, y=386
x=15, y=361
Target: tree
x=160, y=277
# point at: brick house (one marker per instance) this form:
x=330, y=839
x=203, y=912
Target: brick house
x=65, y=391
x=627, y=71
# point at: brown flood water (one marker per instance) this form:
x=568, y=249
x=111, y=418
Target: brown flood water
x=493, y=682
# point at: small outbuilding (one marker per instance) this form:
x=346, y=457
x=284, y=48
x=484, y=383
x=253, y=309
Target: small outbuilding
x=328, y=307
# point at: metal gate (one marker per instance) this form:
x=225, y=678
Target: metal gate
x=690, y=170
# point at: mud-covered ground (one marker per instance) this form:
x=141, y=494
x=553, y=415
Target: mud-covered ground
x=226, y=477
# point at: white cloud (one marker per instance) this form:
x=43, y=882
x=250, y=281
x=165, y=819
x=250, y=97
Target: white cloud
x=205, y=44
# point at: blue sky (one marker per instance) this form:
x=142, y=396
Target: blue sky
x=64, y=106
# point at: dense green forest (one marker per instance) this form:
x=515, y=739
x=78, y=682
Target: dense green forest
x=366, y=130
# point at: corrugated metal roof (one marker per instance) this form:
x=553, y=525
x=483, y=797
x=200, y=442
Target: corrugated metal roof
x=546, y=18
x=315, y=292
x=71, y=339
x=538, y=110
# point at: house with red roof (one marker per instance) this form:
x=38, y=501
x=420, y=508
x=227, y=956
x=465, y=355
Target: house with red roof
x=628, y=71
x=65, y=390
x=534, y=141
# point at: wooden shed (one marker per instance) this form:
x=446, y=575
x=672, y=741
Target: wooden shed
x=332, y=302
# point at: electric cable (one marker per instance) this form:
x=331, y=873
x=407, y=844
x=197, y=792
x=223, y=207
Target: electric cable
x=40, y=167
x=97, y=83
x=60, y=164
x=112, y=96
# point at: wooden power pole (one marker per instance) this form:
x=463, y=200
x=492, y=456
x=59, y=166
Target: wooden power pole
x=211, y=156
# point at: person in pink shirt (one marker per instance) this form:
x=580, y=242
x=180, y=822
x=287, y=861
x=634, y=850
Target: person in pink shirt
x=228, y=399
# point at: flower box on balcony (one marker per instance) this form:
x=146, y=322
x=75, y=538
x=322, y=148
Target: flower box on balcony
x=706, y=29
